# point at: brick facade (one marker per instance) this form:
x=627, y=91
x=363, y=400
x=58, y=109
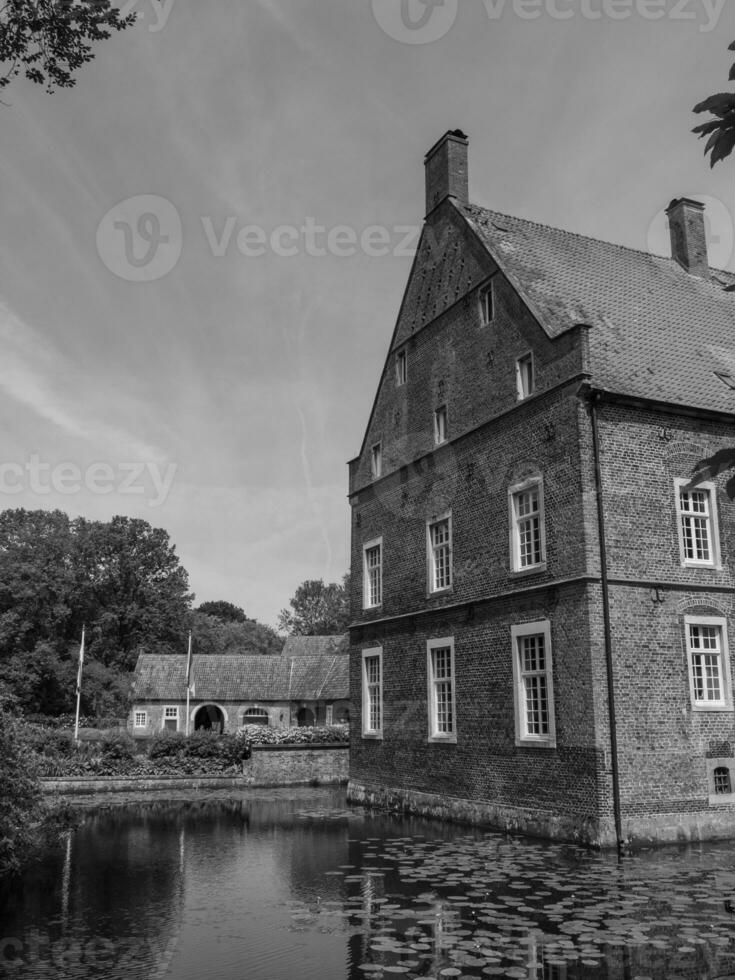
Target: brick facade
x=488, y=770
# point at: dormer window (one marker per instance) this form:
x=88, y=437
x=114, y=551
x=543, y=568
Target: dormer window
x=401, y=368
x=440, y=425
x=525, y=377
x=376, y=461
x=487, y=304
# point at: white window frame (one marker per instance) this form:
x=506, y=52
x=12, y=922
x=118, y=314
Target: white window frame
x=376, y=460
x=713, y=529
x=488, y=290
x=401, y=368
x=521, y=392
x=170, y=717
x=441, y=424
x=725, y=703
x=435, y=735
x=431, y=554
x=366, y=596
x=523, y=737
x=140, y=714
x=367, y=730
x=515, y=521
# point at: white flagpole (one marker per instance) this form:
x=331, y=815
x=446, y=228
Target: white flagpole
x=188, y=683
x=79, y=686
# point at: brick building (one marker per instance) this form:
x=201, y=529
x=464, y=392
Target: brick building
x=541, y=606
x=306, y=684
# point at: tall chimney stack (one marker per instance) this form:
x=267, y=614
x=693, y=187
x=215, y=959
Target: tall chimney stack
x=688, y=236
x=446, y=170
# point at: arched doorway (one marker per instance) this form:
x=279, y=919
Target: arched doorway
x=305, y=717
x=209, y=718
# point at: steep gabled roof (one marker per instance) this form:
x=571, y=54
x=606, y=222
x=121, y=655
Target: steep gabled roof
x=246, y=677
x=657, y=331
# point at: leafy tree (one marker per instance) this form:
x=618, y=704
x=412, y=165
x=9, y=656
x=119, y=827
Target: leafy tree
x=317, y=609
x=224, y=610
x=50, y=40
x=213, y=635
x=21, y=803
x=720, y=143
x=721, y=129
x=122, y=579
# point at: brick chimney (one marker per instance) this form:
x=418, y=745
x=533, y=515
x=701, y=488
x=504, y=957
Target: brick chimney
x=446, y=170
x=688, y=236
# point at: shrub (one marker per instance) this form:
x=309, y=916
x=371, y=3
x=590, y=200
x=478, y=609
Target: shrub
x=262, y=735
x=21, y=803
x=117, y=745
x=166, y=744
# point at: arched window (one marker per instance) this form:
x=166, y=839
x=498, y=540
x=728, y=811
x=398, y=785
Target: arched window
x=723, y=785
x=255, y=716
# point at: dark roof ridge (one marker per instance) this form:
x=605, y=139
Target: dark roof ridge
x=588, y=238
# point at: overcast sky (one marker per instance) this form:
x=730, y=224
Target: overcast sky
x=241, y=381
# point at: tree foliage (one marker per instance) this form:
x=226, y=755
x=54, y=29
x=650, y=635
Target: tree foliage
x=121, y=578
x=317, y=609
x=214, y=635
x=224, y=610
x=50, y=40
x=720, y=130
x=21, y=804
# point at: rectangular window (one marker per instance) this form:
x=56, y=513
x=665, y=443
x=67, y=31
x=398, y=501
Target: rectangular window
x=709, y=663
x=141, y=719
x=376, y=461
x=440, y=673
x=533, y=684
x=527, y=530
x=698, y=532
x=401, y=368
x=487, y=304
x=373, y=574
x=440, y=425
x=171, y=718
x=440, y=554
x=525, y=380
x=372, y=692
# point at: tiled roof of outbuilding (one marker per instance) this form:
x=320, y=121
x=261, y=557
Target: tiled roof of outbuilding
x=657, y=331
x=244, y=677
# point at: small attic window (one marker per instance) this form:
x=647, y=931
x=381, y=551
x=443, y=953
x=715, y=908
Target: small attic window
x=401, y=368
x=487, y=304
x=376, y=460
x=525, y=377
x=726, y=379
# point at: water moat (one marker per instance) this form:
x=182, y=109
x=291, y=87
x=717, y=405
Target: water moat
x=284, y=884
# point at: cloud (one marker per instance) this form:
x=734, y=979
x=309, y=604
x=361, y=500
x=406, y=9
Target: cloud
x=38, y=375
x=294, y=31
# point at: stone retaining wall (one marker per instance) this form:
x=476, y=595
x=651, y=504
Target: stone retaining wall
x=270, y=765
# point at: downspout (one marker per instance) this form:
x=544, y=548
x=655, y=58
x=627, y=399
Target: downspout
x=594, y=400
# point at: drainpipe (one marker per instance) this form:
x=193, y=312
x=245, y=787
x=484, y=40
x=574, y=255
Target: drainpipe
x=594, y=400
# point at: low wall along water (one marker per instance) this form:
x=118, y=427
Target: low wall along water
x=269, y=765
